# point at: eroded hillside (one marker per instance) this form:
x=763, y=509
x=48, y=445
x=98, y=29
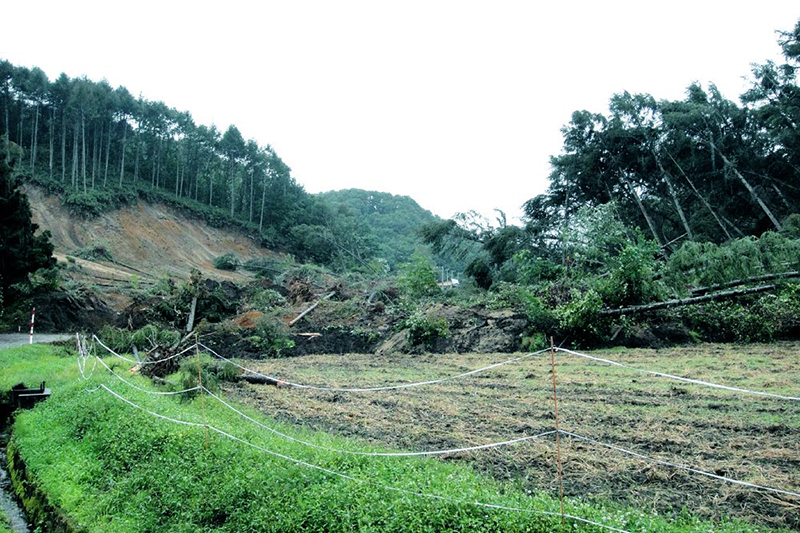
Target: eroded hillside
x=144, y=239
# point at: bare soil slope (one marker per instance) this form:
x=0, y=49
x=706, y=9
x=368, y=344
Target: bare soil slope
x=144, y=239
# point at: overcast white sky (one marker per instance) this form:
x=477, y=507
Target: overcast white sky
x=456, y=104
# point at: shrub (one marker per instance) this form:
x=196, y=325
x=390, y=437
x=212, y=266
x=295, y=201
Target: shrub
x=417, y=279
x=227, y=261
x=265, y=299
x=271, y=336
x=95, y=252
x=424, y=329
x=212, y=371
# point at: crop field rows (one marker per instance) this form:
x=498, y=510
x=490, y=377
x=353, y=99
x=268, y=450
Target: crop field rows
x=744, y=437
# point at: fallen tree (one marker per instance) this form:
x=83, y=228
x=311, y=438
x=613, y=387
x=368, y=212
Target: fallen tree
x=680, y=302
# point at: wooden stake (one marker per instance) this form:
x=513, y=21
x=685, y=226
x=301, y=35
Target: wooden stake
x=200, y=381
x=558, y=433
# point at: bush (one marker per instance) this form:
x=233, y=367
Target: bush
x=95, y=252
x=265, y=299
x=121, y=340
x=227, y=261
x=424, y=329
x=271, y=336
x=212, y=371
x=417, y=279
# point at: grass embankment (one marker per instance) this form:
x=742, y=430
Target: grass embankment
x=114, y=468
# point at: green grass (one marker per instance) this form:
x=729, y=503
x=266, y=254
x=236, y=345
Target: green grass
x=113, y=468
x=4, y=523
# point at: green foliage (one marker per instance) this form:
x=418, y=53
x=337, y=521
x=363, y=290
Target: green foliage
x=212, y=372
x=759, y=318
x=92, y=203
x=529, y=269
x=22, y=252
x=791, y=227
x=390, y=223
x=417, y=279
x=116, y=469
x=582, y=313
x=701, y=264
x=632, y=275
x=271, y=336
x=229, y=261
x=424, y=329
x=95, y=252
x=121, y=340
x=265, y=299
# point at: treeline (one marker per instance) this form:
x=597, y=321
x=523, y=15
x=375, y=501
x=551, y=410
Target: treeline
x=701, y=169
x=99, y=147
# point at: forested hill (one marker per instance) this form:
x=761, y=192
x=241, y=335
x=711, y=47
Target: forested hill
x=99, y=148
x=393, y=221
x=675, y=175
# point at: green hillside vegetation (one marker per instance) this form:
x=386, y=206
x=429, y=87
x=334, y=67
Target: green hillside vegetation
x=100, y=148
x=113, y=468
x=653, y=201
x=393, y=221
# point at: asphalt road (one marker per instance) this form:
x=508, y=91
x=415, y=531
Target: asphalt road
x=19, y=339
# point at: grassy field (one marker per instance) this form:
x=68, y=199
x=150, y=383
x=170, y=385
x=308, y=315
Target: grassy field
x=114, y=468
x=744, y=437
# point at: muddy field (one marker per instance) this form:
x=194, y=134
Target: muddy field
x=750, y=438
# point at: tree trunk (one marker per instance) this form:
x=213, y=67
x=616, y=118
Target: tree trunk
x=63, y=148
x=749, y=187
x=94, y=154
x=642, y=209
x=138, y=153
x=83, y=145
x=636, y=309
x=52, y=143
x=122, y=163
x=674, y=195
x=108, y=151
x=252, y=175
x=233, y=190
x=263, y=199
x=35, y=140
x=754, y=279
x=75, y=158
x=702, y=198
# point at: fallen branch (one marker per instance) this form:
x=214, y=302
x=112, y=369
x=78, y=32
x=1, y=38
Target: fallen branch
x=680, y=302
x=311, y=308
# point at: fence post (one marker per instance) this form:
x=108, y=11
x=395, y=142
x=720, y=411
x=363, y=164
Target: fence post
x=200, y=382
x=33, y=316
x=558, y=433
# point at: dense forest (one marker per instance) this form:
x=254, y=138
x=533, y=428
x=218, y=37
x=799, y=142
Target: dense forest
x=100, y=147
x=700, y=170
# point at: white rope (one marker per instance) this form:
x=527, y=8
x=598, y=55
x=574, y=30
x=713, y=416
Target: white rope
x=175, y=420
x=153, y=362
x=679, y=466
x=370, y=389
x=365, y=482
x=161, y=393
x=680, y=378
x=377, y=454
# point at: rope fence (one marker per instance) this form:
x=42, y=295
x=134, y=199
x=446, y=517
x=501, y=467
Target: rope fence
x=85, y=353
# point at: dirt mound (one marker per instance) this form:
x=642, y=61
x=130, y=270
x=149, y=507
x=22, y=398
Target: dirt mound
x=59, y=312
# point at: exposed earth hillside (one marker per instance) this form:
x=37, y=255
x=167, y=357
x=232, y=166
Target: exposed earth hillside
x=143, y=239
